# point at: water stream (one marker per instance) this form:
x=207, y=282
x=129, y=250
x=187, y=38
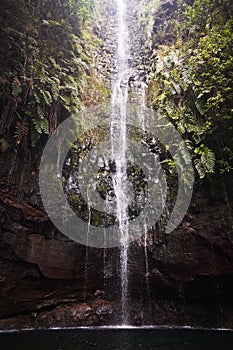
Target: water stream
x=119, y=143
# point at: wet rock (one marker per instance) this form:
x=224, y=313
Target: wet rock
x=82, y=314
x=158, y=278
x=54, y=258
x=17, y=209
x=197, y=248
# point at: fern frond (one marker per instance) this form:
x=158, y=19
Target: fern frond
x=199, y=168
x=41, y=125
x=21, y=131
x=208, y=160
x=205, y=164
x=16, y=87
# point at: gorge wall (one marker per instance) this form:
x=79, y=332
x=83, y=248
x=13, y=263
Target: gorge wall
x=47, y=279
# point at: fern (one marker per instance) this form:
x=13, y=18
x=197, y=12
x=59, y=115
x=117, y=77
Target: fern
x=34, y=137
x=37, y=97
x=206, y=162
x=65, y=101
x=16, y=87
x=21, y=131
x=47, y=97
x=55, y=88
x=200, y=107
x=41, y=125
x=199, y=168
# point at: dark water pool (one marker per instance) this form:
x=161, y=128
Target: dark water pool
x=117, y=339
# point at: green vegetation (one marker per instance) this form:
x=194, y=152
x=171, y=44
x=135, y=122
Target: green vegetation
x=147, y=12
x=46, y=48
x=49, y=70
x=193, y=82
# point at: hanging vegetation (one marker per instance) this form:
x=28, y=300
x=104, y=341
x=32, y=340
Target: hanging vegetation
x=193, y=82
x=44, y=66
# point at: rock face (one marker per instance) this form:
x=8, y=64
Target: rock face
x=49, y=280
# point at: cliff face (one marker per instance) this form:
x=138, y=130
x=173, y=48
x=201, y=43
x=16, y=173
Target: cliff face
x=48, y=280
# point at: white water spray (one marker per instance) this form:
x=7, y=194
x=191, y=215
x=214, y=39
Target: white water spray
x=119, y=144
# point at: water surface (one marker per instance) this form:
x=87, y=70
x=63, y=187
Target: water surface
x=117, y=339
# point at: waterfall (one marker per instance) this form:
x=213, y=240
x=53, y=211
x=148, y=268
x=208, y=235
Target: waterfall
x=119, y=143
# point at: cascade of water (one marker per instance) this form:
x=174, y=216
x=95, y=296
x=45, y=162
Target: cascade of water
x=119, y=144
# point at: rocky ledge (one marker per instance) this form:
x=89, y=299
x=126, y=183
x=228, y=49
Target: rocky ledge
x=48, y=280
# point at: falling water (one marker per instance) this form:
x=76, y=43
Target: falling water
x=119, y=144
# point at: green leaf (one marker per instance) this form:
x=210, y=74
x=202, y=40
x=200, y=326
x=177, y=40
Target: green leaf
x=16, y=87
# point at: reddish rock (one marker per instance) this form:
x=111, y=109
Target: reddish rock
x=48, y=280
x=18, y=209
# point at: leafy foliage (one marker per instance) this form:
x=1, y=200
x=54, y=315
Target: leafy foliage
x=44, y=63
x=21, y=131
x=193, y=82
